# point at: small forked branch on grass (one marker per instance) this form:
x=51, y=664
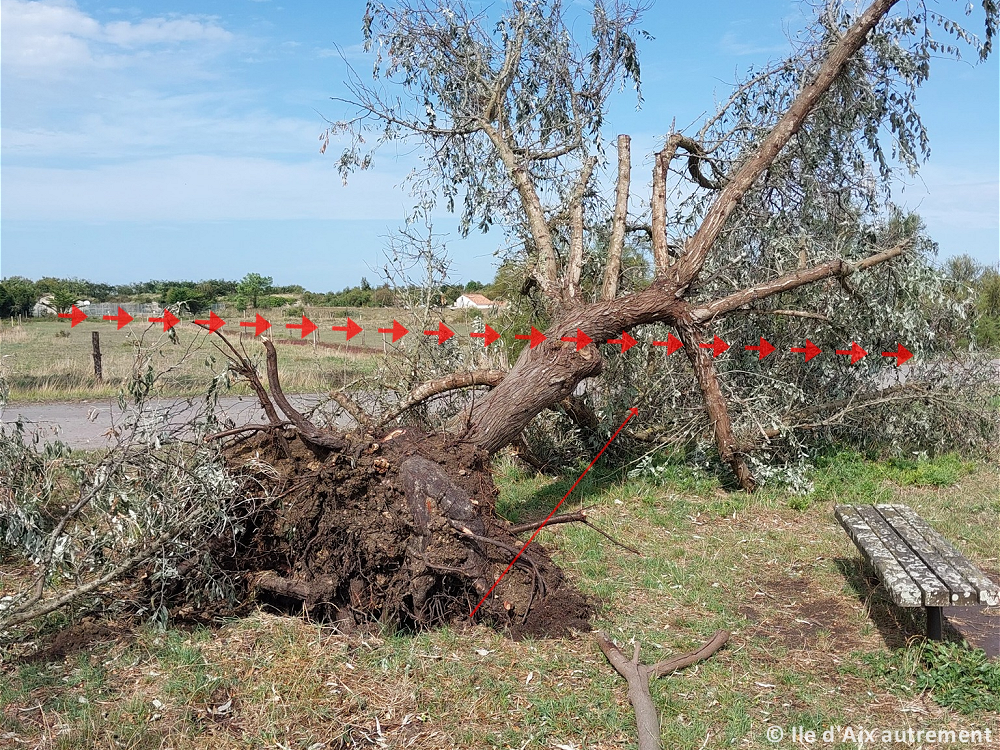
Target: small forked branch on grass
x=637, y=676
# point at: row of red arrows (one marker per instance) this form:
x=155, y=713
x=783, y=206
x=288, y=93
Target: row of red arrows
x=443, y=333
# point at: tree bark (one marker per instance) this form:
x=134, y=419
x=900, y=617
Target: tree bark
x=609, y=289
x=95, y=340
x=547, y=270
x=574, y=266
x=658, y=213
x=715, y=405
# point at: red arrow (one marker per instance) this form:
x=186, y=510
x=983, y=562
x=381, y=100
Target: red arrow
x=443, y=333
x=261, y=324
x=901, y=355
x=581, y=339
x=169, y=320
x=488, y=336
x=75, y=314
x=718, y=346
x=352, y=329
x=122, y=317
x=626, y=341
x=535, y=337
x=810, y=350
x=397, y=331
x=765, y=348
x=672, y=343
x=306, y=325
x=214, y=322
x=632, y=412
x=855, y=351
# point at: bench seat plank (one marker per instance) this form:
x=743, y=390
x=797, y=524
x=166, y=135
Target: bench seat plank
x=962, y=591
x=901, y=588
x=935, y=592
x=989, y=592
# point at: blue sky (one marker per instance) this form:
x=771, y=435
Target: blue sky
x=180, y=140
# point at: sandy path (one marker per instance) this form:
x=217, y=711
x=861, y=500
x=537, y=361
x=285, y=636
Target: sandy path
x=90, y=424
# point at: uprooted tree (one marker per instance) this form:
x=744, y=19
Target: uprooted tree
x=779, y=200
x=776, y=211
x=781, y=195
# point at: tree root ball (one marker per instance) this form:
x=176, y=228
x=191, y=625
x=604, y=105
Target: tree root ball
x=401, y=531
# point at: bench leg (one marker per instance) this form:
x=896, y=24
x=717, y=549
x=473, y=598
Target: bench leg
x=935, y=623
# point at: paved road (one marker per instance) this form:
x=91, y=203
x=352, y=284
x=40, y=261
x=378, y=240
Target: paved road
x=89, y=425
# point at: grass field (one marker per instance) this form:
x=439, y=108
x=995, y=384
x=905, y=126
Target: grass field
x=811, y=644
x=46, y=360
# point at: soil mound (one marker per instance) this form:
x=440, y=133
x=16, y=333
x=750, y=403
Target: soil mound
x=401, y=531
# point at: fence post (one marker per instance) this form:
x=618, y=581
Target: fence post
x=95, y=339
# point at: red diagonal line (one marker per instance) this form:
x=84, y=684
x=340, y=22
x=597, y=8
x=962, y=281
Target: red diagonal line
x=620, y=428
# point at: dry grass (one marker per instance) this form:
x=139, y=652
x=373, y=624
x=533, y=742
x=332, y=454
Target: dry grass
x=47, y=360
x=785, y=582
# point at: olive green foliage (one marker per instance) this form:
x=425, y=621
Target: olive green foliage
x=62, y=299
x=977, y=288
x=251, y=289
x=17, y=296
x=79, y=519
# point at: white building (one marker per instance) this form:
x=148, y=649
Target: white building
x=45, y=307
x=478, y=301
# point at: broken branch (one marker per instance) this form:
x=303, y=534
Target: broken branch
x=637, y=675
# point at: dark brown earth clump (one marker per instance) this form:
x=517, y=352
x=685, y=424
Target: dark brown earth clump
x=401, y=530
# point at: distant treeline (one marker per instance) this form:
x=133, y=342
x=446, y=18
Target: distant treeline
x=19, y=295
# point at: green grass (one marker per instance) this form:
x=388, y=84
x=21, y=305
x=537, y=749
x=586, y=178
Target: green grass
x=956, y=676
x=811, y=644
x=848, y=477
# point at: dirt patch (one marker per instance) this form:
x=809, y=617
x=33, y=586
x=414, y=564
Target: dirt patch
x=401, y=531
x=74, y=639
x=799, y=616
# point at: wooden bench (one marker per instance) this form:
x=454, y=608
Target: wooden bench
x=917, y=566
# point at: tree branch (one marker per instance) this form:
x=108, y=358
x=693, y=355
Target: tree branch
x=789, y=124
x=715, y=404
x=246, y=428
x=512, y=56
x=658, y=212
x=547, y=270
x=51, y=605
x=786, y=313
x=637, y=676
x=696, y=154
x=353, y=408
x=609, y=289
x=574, y=267
x=454, y=381
x=790, y=281
x=310, y=432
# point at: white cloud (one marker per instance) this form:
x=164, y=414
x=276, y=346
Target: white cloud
x=954, y=198
x=53, y=39
x=144, y=123
x=164, y=31
x=739, y=45
x=193, y=188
